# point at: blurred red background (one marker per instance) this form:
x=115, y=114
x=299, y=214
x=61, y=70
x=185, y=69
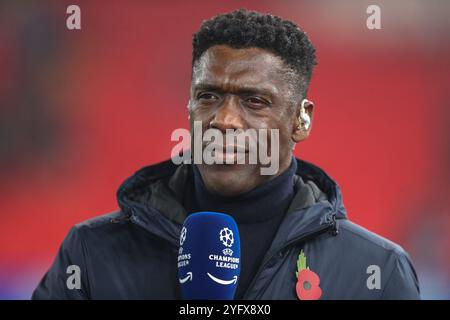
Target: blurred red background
x=81, y=110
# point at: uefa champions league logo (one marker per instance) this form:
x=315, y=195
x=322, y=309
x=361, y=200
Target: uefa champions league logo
x=225, y=261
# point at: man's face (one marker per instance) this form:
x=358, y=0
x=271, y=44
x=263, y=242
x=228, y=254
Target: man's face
x=242, y=89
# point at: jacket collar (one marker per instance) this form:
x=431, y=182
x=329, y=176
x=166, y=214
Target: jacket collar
x=153, y=199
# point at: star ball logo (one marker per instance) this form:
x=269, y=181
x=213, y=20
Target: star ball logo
x=183, y=236
x=227, y=238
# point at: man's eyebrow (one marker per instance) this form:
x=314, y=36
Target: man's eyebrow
x=207, y=87
x=240, y=90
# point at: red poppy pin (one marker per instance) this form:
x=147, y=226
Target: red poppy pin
x=307, y=281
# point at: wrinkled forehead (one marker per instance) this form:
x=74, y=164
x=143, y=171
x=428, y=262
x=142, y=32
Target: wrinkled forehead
x=221, y=64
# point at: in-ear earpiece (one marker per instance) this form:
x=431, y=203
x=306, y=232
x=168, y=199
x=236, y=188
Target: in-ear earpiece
x=305, y=120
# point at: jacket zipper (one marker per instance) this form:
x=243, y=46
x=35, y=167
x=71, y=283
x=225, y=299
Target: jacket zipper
x=303, y=238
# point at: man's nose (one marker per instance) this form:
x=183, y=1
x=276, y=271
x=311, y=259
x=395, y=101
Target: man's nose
x=228, y=115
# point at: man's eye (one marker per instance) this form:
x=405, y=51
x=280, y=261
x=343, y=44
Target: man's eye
x=257, y=101
x=207, y=96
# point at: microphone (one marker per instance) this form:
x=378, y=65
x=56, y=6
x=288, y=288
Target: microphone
x=209, y=257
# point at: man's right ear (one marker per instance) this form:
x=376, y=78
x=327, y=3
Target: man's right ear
x=303, y=121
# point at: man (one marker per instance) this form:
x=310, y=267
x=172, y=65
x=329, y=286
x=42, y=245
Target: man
x=249, y=71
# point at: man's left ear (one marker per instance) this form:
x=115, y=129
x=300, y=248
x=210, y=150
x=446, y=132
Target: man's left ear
x=303, y=121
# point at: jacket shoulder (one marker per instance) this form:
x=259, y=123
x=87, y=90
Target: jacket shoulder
x=358, y=253
x=369, y=240
x=102, y=230
x=101, y=220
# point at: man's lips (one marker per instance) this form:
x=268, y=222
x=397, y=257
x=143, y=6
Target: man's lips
x=221, y=152
x=224, y=148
